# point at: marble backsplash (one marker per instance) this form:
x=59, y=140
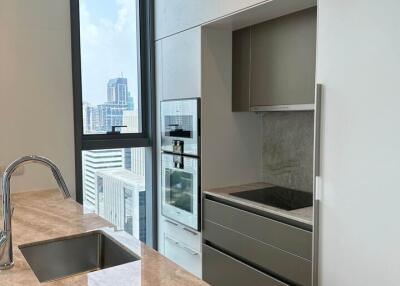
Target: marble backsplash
x=288, y=149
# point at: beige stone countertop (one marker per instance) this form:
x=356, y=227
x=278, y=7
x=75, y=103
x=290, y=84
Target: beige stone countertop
x=304, y=215
x=46, y=215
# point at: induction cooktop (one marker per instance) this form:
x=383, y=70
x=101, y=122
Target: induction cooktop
x=278, y=197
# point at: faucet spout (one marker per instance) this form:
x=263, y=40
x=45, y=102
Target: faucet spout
x=6, y=252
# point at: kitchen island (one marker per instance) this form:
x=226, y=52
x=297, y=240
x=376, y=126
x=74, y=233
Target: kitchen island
x=43, y=215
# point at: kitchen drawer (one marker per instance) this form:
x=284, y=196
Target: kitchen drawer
x=220, y=269
x=264, y=256
x=286, y=237
x=182, y=254
x=186, y=235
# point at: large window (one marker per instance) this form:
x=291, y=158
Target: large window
x=110, y=60
x=112, y=72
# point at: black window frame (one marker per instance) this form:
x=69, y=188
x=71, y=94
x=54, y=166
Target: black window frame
x=147, y=136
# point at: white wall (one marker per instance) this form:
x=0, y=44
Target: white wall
x=36, y=115
x=358, y=63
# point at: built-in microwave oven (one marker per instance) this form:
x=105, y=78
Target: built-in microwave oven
x=180, y=123
x=180, y=161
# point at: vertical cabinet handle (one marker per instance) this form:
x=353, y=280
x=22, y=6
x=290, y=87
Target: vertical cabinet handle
x=317, y=131
x=316, y=181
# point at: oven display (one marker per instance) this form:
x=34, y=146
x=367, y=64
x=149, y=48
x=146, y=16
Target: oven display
x=178, y=126
x=179, y=189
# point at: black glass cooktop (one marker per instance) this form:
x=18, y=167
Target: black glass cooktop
x=278, y=197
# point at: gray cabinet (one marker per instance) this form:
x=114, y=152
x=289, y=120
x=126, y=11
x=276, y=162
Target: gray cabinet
x=283, y=236
x=280, y=56
x=241, y=70
x=220, y=269
x=278, y=249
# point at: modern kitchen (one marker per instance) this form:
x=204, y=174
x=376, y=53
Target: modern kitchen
x=191, y=142
x=253, y=122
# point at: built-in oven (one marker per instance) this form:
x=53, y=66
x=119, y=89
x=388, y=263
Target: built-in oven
x=180, y=188
x=180, y=126
x=180, y=161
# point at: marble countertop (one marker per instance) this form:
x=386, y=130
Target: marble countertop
x=304, y=215
x=46, y=215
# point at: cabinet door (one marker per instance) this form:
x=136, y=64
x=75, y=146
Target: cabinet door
x=158, y=70
x=173, y=16
x=283, y=52
x=219, y=269
x=181, y=65
x=182, y=254
x=241, y=70
x=358, y=66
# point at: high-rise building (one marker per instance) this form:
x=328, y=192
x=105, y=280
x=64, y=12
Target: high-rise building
x=85, y=119
x=92, y=162
x=134, y=158
x=138, y=161
x=102, y=117
x=122, y=200
x=130, y=102
x=113, y=179
x=130, y=119
x=117, y=91
x=90, y=118
x=109, y=115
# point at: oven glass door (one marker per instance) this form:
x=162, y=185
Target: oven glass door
x=179, y=124
x=180, y=189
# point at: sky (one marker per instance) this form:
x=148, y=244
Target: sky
x=108, y=46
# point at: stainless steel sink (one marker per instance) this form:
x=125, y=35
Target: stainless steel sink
x=86, y=252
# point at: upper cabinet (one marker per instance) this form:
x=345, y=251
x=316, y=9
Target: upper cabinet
x=274, y=63
x=241, y=42
x=178, y=65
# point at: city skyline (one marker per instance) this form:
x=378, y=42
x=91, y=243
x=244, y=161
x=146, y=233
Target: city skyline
x=108, y=46
x=114, y=179
x=113, y=111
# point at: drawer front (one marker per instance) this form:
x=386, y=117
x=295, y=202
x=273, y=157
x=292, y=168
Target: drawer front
x=188, y=236
x=182, y=255
x=220, y=269
x=280, y=235
x=263, y=256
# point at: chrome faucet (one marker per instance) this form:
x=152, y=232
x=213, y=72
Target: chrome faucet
x=6, y=251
